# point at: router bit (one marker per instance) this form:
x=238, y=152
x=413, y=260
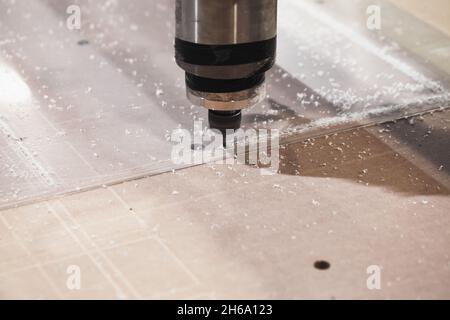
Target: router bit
x=225, y=47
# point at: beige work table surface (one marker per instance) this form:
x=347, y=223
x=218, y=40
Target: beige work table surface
x=368, y=197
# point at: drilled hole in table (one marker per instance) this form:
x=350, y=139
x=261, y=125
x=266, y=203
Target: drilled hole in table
x=83, y=42
x=322, y=265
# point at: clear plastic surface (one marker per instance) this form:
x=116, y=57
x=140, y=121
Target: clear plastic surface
x=84, y=108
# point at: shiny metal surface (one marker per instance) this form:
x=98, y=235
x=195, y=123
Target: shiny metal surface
x=226, y=21
x=82, y=109
x=228, y=101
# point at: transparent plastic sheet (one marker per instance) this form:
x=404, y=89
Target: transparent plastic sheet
x=82, y=109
